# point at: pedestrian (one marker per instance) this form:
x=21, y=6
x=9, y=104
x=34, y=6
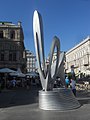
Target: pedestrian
x=0, y=86
x=67, y=82
x=13, y=82
x=73, y=86
x=28, y=84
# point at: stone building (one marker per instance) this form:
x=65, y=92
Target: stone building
x=12, y=50
x=79, y=58
x=31, y=61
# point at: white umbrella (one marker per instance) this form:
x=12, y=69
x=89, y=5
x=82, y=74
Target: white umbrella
x=18, y=73
x=6, y=70
x=33, y=74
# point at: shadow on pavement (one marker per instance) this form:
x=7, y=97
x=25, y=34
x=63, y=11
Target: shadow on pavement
x=22, y=96
x=84, y=101
x=83, y=97
x=19, y=96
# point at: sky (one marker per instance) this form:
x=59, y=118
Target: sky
x=69, y=20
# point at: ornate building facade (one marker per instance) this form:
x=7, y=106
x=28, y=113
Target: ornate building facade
x=31, y=61
x=79, y=58
x=12, y=50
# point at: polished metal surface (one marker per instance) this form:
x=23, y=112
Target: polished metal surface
x=49, y=98
x=47, y=77
x=58, y=99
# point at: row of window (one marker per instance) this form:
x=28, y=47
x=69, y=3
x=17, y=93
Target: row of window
x=77, y=55
x=31, y=59
x=12, y=57
x=30, y=70
x=33, y=65
x=12, y=34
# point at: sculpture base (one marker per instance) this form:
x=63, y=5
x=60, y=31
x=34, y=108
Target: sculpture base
x=58, y=99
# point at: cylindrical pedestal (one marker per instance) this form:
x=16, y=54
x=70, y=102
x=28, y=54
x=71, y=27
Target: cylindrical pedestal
x=58, y=99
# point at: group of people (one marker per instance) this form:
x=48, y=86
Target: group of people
x=72, y=83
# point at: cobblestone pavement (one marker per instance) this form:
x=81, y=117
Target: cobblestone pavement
x=22, y=104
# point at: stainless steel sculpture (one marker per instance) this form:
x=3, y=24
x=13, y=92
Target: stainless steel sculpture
x=49, y=98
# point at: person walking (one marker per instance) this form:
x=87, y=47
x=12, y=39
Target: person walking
x=67, y=82
x=13, y=83
x=0, y=86
x=73, y=86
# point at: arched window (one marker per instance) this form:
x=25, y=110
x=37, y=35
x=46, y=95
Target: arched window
x=10, y=56
x=14, y=56
x=1, y=34
x=2, y=56
x=12, y=34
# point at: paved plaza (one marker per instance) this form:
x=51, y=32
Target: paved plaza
x=22, y=104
